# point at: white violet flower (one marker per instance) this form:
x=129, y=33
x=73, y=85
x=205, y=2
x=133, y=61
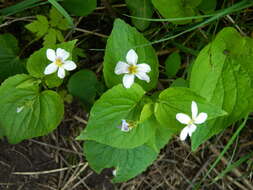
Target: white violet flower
x=191, y=121
x=130, y=69
x=125, y=127
x=59, y=62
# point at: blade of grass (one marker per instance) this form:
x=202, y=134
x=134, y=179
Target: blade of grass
x=230, y=142
x=239, y=6
x=232, y=166
x=62, y=11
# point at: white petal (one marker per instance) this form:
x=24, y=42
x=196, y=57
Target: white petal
x=51, y=68
x=128, y=80
x=143, y=76
x=184, y=133
x=183, y=118
x=19, y=109
x=69, y=65
x=121, y=68
x=201, y=118
x=61, y=53
x=51, y=55
x=114, y=172
x=191, y=129
x=61, y=72
x=132, y=57
x=143, y=68
x=194, y=110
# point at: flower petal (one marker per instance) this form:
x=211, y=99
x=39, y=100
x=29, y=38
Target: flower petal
x=143, y=68
x=132, y=57
x=143, y=76
x=183, y=118
x=51, y=55
x=184, y=133
x=61, y=72
x=128, y=80
x=201, y=118
x=194, y=110
x=191, y=129
x=69, y=65
x=51, y=68
x=63, y=54
x=121, y=68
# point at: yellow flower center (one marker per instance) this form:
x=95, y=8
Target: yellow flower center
x=191, y=122
x=58, y=62
x=132, y=69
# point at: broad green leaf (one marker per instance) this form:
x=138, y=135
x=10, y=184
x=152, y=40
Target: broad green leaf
x=80, y=7
x=10, y=63
x=178, y=100
x=207, y=6
x=57, y=20
x=177, y=8
x=39, y=26
x=25, y=112
x=122, y=39
x=106, y=116
x=140, y=8
x=172, y=64
x=127, y=162
x=38, y=61
x=84, y=85
x=180, y=82
x=223, y=74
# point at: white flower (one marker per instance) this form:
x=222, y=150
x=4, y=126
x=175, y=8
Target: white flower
x=130, y=69
x=125, y=127
x=190, y=121
x=114, y=172
x=19, y=109
x=59, y=61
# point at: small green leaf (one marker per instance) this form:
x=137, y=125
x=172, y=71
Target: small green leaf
x=26, y=112
x=38, y=61
x=140, y=8
x=57, y=20
x=223, y=74
x=177, y=8
x=122, y=39
x=84, y=85
x=127, y=162
x=10, y=63
x=207, y=6
x=50, y=38
x=106, y=117
x=80, y=7
x=180, y=82
x=172, y=64
x=39, y=26
x=178, y=100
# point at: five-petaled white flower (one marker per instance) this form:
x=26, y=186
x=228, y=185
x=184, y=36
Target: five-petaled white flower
x=132, y=69
x=59, y=61
x=125, y=127
x=190, y=122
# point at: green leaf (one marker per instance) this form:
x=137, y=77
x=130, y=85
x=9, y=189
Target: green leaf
x=39, y=26
x=223, y=74
x=180, y=82
x=84, y=85
x=106, y=116
x=207, y=6
x=50, y=38
x=25, y=112
x=38, y=61
x=10, y=63
x=127, y=162
x=140, y=8
x=178, y=100
x=57, y=20
x=122, y=39
x=172, y=64
x=177, y=9
x=80, y=7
